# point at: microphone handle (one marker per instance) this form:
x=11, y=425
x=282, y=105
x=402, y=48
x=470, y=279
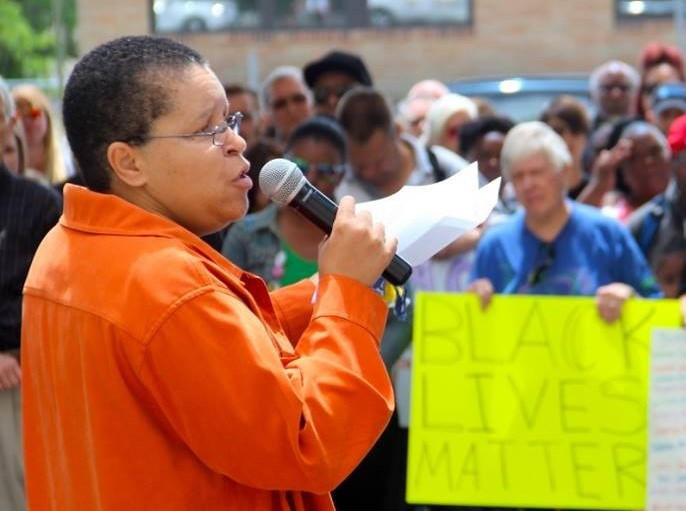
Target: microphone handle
x=321, y=211
x=315, y=206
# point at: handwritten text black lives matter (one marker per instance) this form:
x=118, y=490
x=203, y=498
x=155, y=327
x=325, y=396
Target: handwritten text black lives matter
x=530, y=395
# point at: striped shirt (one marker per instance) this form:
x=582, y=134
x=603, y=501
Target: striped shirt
x=27, y=212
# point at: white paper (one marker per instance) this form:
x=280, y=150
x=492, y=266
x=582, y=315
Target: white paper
x=666, y=479
x=426, y=219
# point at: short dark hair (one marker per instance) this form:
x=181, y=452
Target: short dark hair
x=320, y=128
x=234, y=89
x=362, y=111
x=569, y=110
x=473, y=131
x=115, y=92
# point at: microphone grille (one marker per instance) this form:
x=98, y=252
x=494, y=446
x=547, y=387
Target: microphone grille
x=280, y=180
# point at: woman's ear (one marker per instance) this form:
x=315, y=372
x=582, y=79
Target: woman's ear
x=124, y=161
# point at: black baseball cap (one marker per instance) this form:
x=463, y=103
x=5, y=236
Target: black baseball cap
x=338, y=61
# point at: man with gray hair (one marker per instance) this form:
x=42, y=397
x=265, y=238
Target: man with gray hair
x=286, y=101
x=613, y=87
x=27, y=211
x=554, y=246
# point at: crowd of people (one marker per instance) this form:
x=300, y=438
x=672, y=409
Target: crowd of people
x=143, y=321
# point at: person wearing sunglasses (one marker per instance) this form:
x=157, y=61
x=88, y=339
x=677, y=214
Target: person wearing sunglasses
x=613, y=87
x=286, y=101
x=156, y=373
x=278, y=243
x=381, y=161
x=553, y=245
x=332, y=75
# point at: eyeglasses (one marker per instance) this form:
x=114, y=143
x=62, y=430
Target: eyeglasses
x=232, y=122
x=546, y=258
x=621, y=87
x=648, y=89
x=323, y=93
x=324, y=169
x=296, y=99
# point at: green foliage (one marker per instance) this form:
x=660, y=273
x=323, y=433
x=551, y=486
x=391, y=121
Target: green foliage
x=27, y=36
x=39, y=14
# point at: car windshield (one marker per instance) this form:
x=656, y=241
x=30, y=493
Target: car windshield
x=523, y=98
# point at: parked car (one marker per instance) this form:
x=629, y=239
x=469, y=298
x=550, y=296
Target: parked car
x=194, y=15
x=387, y=13
x=522, y=98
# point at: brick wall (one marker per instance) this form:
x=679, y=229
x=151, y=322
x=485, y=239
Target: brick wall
x=526, y=36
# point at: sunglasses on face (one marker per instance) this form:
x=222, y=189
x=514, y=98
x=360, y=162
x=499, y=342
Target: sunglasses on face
x=607, y=88
x=323, y=93
x=546, y=258
x=322, y=169
x=649, y=88
x=296, y=99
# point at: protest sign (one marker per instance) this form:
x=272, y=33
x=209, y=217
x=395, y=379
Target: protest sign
x=535, y=402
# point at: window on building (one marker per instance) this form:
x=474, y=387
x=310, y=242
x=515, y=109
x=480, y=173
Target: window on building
x=221, y=15
x=389, y=13
x=642, y=9
x=310, y=14
x=204, y=15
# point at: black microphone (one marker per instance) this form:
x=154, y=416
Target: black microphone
x=283, y=182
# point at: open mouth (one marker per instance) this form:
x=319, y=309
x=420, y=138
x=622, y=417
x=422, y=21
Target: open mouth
x=245, y=172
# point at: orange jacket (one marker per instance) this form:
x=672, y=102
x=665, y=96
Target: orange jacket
x=158, y=376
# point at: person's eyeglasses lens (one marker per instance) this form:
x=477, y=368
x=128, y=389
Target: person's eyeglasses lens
x=648, y=89
x=610, y=87
x=232, y=122
x=322, y=94
x=321, y=168
x=281, y=103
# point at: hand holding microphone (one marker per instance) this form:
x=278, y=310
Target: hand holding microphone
x=356, y=247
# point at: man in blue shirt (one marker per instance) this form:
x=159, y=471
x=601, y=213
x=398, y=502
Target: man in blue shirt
x=555, y=246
